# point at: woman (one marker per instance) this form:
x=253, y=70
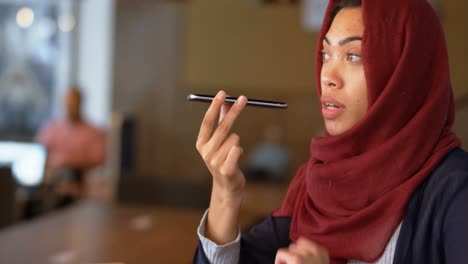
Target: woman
x=388, y=183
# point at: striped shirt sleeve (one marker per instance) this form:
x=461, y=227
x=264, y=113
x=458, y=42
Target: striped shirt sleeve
x=226, y=254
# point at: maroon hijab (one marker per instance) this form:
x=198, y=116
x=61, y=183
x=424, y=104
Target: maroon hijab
x=352, y=193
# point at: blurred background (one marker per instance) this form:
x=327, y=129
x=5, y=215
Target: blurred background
x=134, y=62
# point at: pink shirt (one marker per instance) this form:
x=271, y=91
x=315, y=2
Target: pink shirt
x=70, y=145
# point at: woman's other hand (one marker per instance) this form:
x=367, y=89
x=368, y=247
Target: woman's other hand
x=303, y=251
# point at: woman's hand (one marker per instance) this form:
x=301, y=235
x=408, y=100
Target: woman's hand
x=221, y=151
x=303, y=251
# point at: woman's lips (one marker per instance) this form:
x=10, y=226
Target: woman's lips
x=331, y=108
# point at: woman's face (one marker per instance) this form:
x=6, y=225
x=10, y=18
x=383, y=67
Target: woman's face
x=344, y=90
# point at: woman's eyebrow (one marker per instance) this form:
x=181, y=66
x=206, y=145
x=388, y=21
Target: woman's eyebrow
x=344, y=41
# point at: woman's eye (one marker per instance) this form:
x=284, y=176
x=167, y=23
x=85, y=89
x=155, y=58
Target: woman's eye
x=353, y=57
x=325, y=56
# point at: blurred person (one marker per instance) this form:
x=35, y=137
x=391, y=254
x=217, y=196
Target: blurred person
x=74, y=147
x=387, y=183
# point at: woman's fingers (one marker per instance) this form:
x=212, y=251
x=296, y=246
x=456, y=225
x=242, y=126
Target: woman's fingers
x=284, y=256
x=227, y=122
x=302, y=251
x=208, y=122
x=224, y=110
x=231, y=163
x=308, y=246
x=222, y=153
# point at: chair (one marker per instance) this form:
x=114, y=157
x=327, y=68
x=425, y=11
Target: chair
x=7, y=197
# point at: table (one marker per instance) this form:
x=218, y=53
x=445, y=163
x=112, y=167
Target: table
x=93, y=232
x=97, y=232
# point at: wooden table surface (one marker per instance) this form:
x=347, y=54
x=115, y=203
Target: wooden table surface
x=92, y=232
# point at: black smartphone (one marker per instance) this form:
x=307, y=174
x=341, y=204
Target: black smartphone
x=253, y=102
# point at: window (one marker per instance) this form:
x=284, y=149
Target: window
x=31, y=41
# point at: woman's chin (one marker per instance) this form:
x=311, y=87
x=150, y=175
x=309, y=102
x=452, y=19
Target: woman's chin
x=334, y=128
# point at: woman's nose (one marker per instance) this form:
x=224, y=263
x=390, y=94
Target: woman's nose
x=331, y=76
